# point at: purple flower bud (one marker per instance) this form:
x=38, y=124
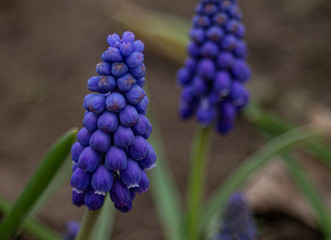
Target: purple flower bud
x=103, y=68
x=118, y=69
x=126, y=48
x=227, y=114
x=201, y=21
x=102, y=180
x=215, y=34
x=90, y=121
x=220, y=19
x=83, y=137
x=74, y=166
x=92, y=84
x=107, y=122
x=113, y=39
x=232, y=26
x=238, y=94
x=209, y=50
x=205, y=114
x=222, y=84
x=116, y=159
x=128, y=116
x=193, y=49
x=206, y=69
x=142, y=126
x=241, y=71
x=229, y=43
x=119, y=193
x=135, y=95
x=100, y=141
x=115, y=102
x=225, y=60
x=123, y=137
x=235, y=12
x=139, y=149
x=210, y=8
x=200, y=86
x=107, y=83
x=134, y=59
x=76, y=150
x=138, y=46
x=124, y=208
x=142, y=105
x=225, y=5
x=241, y=50
x=93, y=200
x=128, y=37
x=188, y=94
x=183, y=76
x=112, y=54
x=138, y=72
x=80, y=180
x=190, y=64
x=197, y=35
x=241, y=30
x=72, y=229
x=148, y=133
x=141, y=82
x=77, y=198
x=130, y=176
x=126, y=82
x=185, y=110
x=149, y=161
x=87, y=99
x=89, y=159
x=95, y=103
x=143, y=184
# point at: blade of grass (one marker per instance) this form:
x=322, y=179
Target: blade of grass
x=217, y=201
x=309, y=191
x=33, y=227
x=37, y=184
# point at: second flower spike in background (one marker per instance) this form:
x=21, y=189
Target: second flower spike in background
x=213, y=76
x=112, y=153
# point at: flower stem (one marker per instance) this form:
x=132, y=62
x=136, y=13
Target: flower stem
x=196, y=182
x=88, y=222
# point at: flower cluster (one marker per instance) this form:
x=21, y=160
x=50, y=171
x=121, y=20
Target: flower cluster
x=112, y=154
x=213, y=75
x=238, y=222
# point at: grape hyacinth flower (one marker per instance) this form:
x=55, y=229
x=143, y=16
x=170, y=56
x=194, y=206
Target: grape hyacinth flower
x=72, y=230
x=238, y=222
x=112, y=153
x=213, y=76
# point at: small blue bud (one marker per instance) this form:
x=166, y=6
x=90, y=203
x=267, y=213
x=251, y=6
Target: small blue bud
x=92, y=84
x=87, y=99
x=74, y=166
x=209, y=50
x=225, y=60
x=215, y=34
x=139, y=149
x=220, y=19
x=205, y=114
x=123, y=137
x=206, y=69
x=83, y=137
x=222, y=84
x=210, y=8
x=241, y=30
x=142, y=126
x=128, y=37
x=93, y=200
x=143, y=184
x=190, y=64
x=128, y=116
x=124, y=208
x=95, y=103
x=138, y=72
x=141, y=82
x=183, y=76
x=197, y=35
x=90, y=121
x=116, y=159
x=201, y=21
x=89, y=159
x=135, y=95
x=118, y=69
x=238, y=94
x=115, y=102
x=241, y=71
x=130, y=176
x=80, y=180
x=119, y=193
x=102, y=180
x=227, y=114
x=76, y=150
x=188, y=94
x=100, y=141
x=126, y=82
x=149, y=161
x=113, y=39
x=112, y=54
x=149, y=131
x=107, y=122
x=134, y=59
x=193, y=49
x=77, y=198
x=185, y=110
x=138, y=46
x=229, y=43
x=107, y=83
x=142, y=105
x=241, y=50
x=200, y=86
x=126, y=48
x=103, y=68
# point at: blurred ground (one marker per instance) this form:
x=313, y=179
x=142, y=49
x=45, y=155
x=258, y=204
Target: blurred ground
x=48, y=50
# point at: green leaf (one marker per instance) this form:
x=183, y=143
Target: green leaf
x=37, y=184
x=163, y=188
x=309, y=191
x=33, y=227
x=103, y=227
x=219, y=198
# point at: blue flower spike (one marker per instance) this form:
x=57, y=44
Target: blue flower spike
x=215, y=71
x=112, y=154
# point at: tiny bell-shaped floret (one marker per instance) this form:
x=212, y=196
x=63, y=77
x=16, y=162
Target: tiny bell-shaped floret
x=142, y=126
x=149, y=161
x=93, y=200
x=76, y=150
x=139, y=149
x=78, y=198
x=106, y=84
x=128, y=116
x=144, y=182
x=107, y=122
x=89, y=159
x=115, y=102
x=123, y=137
x=126, y=82
x=100, y=141
x=112, y=54
x=116, y=159
x=134, y=59
x=80, y=180
x=83, y=137
x=118, y=69
x=130, y=176
x=95, y=103
x=103, y=68
x=135, y=95
x=119, y=193
x=90, y=121
x=139, y=71
x=142, y=105
x=102, y=180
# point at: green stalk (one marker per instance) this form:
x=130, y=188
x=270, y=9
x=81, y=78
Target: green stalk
x=309, y=191
x=87, y=224
x=217, y=201
x=37, y=184
x=196, y=183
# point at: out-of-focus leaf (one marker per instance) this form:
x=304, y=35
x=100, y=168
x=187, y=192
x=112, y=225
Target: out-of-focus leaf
x=37, y=184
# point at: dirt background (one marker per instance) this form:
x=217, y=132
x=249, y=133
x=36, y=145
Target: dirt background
x=48, y=50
